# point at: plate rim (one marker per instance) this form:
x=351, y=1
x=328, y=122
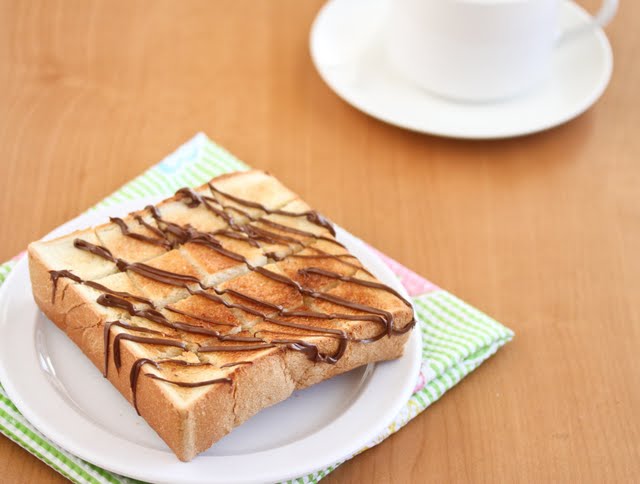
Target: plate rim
x=412, y=350
x=595, y=93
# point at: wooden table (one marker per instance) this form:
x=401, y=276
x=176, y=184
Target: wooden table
x=541, y=232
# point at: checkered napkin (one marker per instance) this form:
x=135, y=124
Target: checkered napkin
x=456, y=337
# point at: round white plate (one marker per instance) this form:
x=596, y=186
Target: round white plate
x=60, y=392
x=347, y=50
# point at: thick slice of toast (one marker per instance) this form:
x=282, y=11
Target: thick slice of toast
x=215, y=304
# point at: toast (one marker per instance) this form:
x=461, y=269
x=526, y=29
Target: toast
x=216, y=303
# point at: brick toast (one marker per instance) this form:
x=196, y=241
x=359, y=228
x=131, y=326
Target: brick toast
x=216, y=303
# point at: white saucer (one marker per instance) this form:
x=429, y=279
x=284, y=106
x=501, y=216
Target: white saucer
x=349, y=55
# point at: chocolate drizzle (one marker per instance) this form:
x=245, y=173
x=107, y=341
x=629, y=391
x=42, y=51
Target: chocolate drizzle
x=311, y=215
x=187, y=384
x=143, y=238
x=94, y=249
x=106, y=332
x=55, y=275
x=141, y=339
x=255, y=230
x=236, y=363
x=133, y=378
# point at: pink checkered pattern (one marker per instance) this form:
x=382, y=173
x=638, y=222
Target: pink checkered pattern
x=416, y=285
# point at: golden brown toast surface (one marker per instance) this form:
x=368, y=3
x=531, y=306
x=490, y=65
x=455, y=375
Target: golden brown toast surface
x=216, y=303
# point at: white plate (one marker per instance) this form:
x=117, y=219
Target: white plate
x=349, y=55
x=60, y=392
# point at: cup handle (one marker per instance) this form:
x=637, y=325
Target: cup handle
x=607, y=11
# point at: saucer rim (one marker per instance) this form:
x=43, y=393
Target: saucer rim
x=597, y=90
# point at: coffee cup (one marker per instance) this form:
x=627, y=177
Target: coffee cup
x=478, y=50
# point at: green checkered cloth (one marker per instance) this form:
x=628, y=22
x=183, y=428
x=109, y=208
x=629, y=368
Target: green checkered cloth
x=456, y=337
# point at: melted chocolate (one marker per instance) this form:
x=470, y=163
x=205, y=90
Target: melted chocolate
x=170, y=235
x=55, y=275
x=107, y=330
x=143, y=238
x=141, y=339
x=190, y=384
x=236, y=363
x=257, y=346
x=133, y=378
x=94, y=249
x=181, y=280
x=312, y=351
x=312, y=216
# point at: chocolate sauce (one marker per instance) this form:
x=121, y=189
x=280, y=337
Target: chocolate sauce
x=362, y=282
x=141, y=339
x=312, y=351
x=323, y=255
x=185, y=363
x=170, y=235
x=133, y=378
x=299, y=345
x=55, y=275
x=190, y=384
x=107, y=330
x=236, y=363
x=105, y=289
x=93, y=249
x=162, y=242
x=311, y=215
x=213, y=348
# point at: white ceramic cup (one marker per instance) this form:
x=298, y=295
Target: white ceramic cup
x=477, y=50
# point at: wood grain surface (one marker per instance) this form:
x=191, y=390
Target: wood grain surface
x=541, y=232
